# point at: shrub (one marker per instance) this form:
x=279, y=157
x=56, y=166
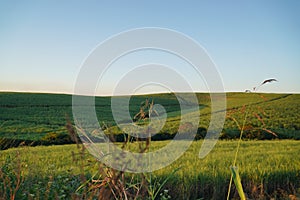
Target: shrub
x=201, y=133
x=56, y=138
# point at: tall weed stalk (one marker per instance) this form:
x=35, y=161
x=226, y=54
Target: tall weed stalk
x=247, y=110
x=109, y=183
x=11, y=177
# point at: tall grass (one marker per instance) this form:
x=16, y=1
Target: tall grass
x=268, y=169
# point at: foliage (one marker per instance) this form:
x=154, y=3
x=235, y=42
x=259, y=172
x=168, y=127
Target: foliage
x=11, y=177
x=29, y=116
x=268, y=169
x=56, y=138
x=237, y=182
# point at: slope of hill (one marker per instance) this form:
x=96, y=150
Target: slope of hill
x=31, y=116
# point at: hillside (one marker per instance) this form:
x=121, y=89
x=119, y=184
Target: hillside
x=31, y=116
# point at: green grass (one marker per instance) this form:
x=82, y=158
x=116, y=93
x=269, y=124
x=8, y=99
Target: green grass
x=30, y=116
x=267, y=169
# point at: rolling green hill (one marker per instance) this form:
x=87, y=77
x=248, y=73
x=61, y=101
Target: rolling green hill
x=31, y=116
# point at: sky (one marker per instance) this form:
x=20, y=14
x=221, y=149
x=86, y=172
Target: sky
x=43, y=44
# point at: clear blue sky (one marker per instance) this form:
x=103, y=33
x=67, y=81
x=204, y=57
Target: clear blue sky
x=43, y=43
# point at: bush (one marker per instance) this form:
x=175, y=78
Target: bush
x=56, y=138
x=162, y=136
x=6, y=143
x=201, y=133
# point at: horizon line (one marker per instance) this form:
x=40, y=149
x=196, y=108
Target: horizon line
x=139, y=94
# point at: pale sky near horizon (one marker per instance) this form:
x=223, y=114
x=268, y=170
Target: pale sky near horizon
x=44, y=43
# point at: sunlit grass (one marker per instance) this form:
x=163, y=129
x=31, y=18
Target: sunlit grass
x=264, y=167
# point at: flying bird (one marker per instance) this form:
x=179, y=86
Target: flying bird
x=264, y=82
x=268, y=81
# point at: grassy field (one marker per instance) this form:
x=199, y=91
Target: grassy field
x=269, y=169
x=269, y=166
x=28, y=116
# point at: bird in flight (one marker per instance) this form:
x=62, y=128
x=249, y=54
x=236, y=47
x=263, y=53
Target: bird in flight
x=268, y=81
x=264, y=82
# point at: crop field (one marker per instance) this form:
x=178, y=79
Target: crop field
x=39, y=159
x=31, y=117
x=267, y=168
